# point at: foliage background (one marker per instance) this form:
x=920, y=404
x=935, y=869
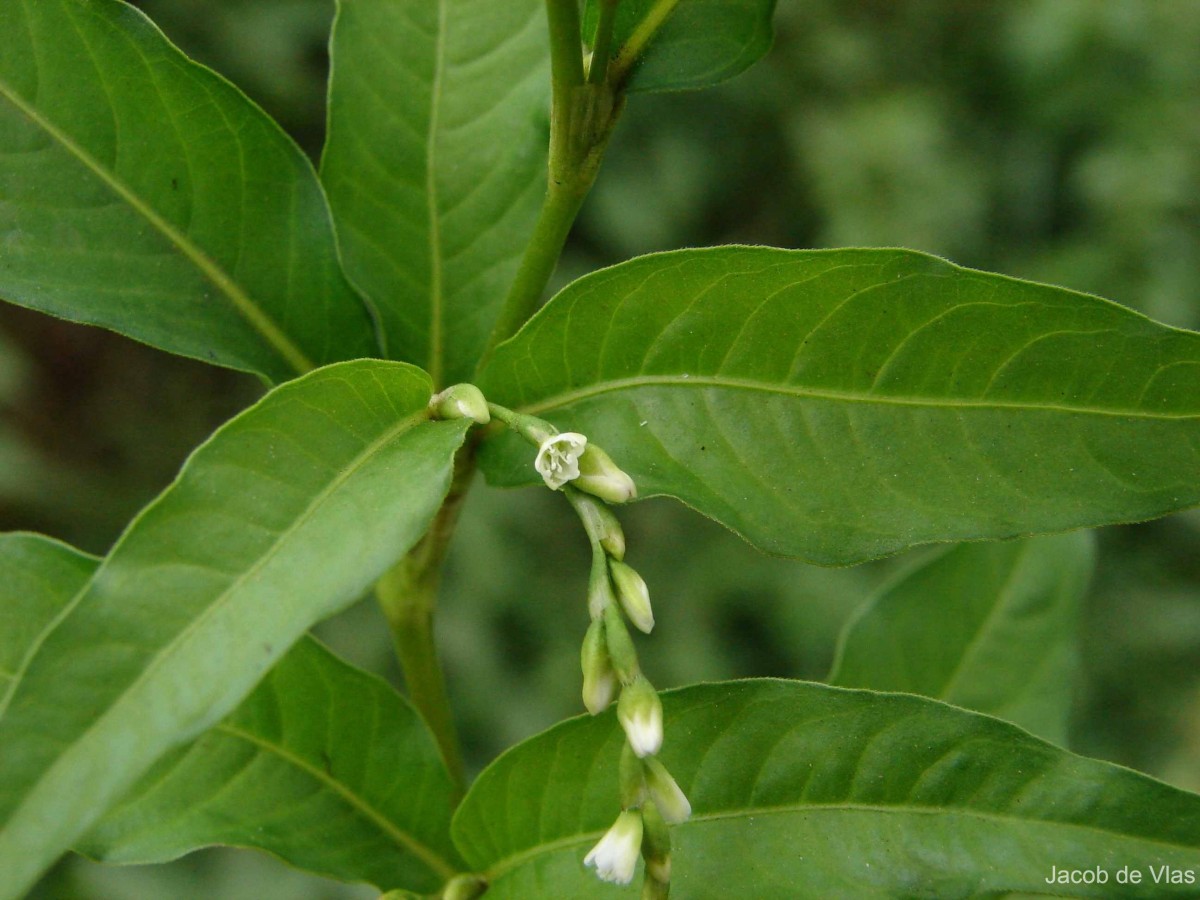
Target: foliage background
x=1057, y=140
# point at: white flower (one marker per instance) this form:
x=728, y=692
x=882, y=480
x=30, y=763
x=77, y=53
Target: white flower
x=640, y=713
x=617, y=853
x=666, y=794
x=558, y=458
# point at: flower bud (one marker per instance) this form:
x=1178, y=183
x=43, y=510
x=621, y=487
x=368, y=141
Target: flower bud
x=640, y=713
x=461, y=401
x=599, y=679
x=599, y=522
x=634, y=596
x=665, y=792
x=599, y=476
x=631, y=778
x=558, y=458
x=600, y=592
x=464, y=887
x=615, y=856
x=621, y=651
x=656, y=845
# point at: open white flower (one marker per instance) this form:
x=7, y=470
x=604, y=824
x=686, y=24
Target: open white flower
x=617, y=853
x=558, y=458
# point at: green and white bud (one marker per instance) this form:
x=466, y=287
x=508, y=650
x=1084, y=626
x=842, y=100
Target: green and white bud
x=599, y=679
x=464, y=887
x=634, y=595
x=600, y=476
x=665, y=792
x=461, y=401
x=640, y=713
x=656, y=844
x=621, y=651
x=599, y=522
x=559, y=457
x=632, y=779
x=616, y=855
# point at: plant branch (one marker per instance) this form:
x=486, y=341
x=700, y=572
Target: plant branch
x=407, y=595
x=602, y=45
x=582, y=117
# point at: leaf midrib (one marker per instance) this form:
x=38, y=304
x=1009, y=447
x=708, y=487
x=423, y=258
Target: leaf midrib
x=509, y=863
x=266, y=327
x=430, y=857
x=167, y=650
x=567, y=398
x=431, y=199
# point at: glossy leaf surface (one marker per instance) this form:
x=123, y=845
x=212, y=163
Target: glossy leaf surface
x=323, y=765
x=841, y=405
x=991, y=626
x=436, y=164
x=801, y=790
x=692, y=43
x=288, y=513
x=141, y=192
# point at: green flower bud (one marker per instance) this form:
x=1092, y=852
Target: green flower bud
x=599, y=522
x=665, y=792
x=640, y=713
x=600, y=592
x=599, y=679
x=620, y=645
x=656, y=844
x=600, y=476
x=634, y=596
x=464, y=887
x=461, y=401
x=632, y=778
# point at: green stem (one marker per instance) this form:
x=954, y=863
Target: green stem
x=407, y=595
x=582, y=117
x=642, y=35
x=602, y=45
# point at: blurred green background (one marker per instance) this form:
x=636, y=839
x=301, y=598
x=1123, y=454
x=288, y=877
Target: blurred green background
x=1057, y=140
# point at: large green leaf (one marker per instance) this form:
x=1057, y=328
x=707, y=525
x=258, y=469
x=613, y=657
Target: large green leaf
x=323, y=765
x=40, y=576
x=141, y=192
x=691, y=43
x=802, y=790
x=840, y=405
x=989, y=626
x=436, y=164
x=284, y=516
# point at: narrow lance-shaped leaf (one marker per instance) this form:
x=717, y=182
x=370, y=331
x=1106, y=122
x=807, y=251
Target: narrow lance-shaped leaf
x=687, y=44
x=323, y=765
x=840, y=405
x=990, y=626
x=436, y=164
x=285, y=515
x=802, y=790
x=141, y=192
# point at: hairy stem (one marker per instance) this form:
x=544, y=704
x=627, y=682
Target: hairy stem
x=407, y=595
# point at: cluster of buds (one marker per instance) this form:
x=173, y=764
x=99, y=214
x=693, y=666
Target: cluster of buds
x=650, y=798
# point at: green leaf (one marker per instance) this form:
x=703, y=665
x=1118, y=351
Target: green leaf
x=40, y=577
x=436, y=164
x=323, y=765
x=288, y=513
x=141, y=192
x=992, y=627
x=802, y=790
x=842, y=405
x=688, y=44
